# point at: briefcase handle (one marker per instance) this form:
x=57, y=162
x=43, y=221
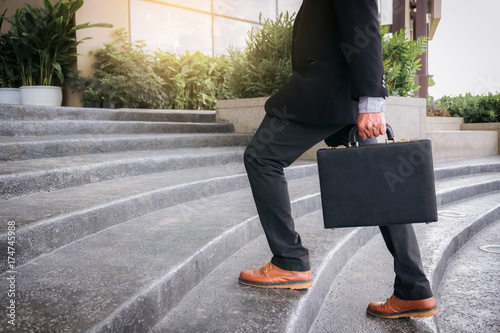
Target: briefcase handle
x=353, y=134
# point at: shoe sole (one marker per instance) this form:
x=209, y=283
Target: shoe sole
x=283, y=285
x=429, y=312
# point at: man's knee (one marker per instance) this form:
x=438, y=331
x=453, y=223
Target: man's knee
x=250, y=155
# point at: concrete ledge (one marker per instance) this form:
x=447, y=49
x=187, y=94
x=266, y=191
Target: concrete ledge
x=405, y=115
x=245, y=114
x=72, y=127
x=35, y=112
x=483, y=127
x=444, y=123
x=463, y=144
x=32, y=147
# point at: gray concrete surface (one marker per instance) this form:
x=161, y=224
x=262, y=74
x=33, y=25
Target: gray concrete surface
x=71, y=127
x=47, y=221
x=469, y=294
x=369, y=275
x=34, y=112
x=21, y=178
x=127, y=277
x=36, y=147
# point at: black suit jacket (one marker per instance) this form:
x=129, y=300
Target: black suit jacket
x=336, y=59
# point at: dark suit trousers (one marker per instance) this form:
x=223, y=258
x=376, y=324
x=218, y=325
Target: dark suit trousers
x=278, y=143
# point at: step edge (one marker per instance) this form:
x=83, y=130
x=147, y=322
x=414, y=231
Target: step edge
x=293, y=328
x=99, y=175
x=248, y=230
x=299, y=324
x=142, y=203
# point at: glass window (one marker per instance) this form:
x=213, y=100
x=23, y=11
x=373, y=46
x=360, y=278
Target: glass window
x=229, y=32
x=204, y=5
x=245, y=9
x=292, y=6
x=170, y=29
x=385, y=8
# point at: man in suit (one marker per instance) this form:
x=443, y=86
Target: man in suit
x=337, y=81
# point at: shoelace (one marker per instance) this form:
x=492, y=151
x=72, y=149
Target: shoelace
x=268, y=267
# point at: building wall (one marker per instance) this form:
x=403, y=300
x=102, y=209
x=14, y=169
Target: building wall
x=115, y=12
x=208, y=26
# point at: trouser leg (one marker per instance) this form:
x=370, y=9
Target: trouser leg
x=411, y=282
x=276, y=144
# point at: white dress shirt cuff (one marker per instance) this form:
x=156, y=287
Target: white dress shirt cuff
x=371, y=104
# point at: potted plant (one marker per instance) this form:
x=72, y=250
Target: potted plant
x=45, y=43
x=9, y=78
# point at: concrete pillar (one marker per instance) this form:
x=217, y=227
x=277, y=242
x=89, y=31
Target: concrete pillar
x=421, y=30
x=401, y=16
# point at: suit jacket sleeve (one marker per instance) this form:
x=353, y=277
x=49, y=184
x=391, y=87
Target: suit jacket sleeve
x=361, y=45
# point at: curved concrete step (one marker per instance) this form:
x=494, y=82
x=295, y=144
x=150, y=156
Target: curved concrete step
x=462, y=167
x=35, y=147
x=219, y=304
x=142, y=268
x=21, y=178
x=369, y=274
x=469, y=291
x=72, y=127
x=33, y=112
x=139, y=293
x=47, y=221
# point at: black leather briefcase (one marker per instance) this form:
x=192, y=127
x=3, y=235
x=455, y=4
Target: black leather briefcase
x=378, y=184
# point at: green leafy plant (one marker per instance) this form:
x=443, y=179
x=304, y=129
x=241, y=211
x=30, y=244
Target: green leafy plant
x=400, y=61
x=192, y=81
x=265, y=65
x=9, y=75
x=124, y=75
x=473, y=108
x=436, y=109
x=45, y=41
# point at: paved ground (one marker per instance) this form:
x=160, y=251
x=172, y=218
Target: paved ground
x=469, y=294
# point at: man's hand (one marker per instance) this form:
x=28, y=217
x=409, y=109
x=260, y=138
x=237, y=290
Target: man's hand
x=371, y=125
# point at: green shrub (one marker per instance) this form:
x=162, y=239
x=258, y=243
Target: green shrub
x=124, y=76
x=265, y=65
x=474, y=109
x=435, y=109
x=400, y=61
x=192, y=81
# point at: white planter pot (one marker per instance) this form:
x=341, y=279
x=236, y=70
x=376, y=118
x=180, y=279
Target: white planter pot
x=41, y=95
x=10, y=96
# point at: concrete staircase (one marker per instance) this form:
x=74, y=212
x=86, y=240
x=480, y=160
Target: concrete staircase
x=136, y=221
x=452, y=139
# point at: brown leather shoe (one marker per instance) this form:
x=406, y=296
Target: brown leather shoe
x=271, y=276
x=398, y=308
